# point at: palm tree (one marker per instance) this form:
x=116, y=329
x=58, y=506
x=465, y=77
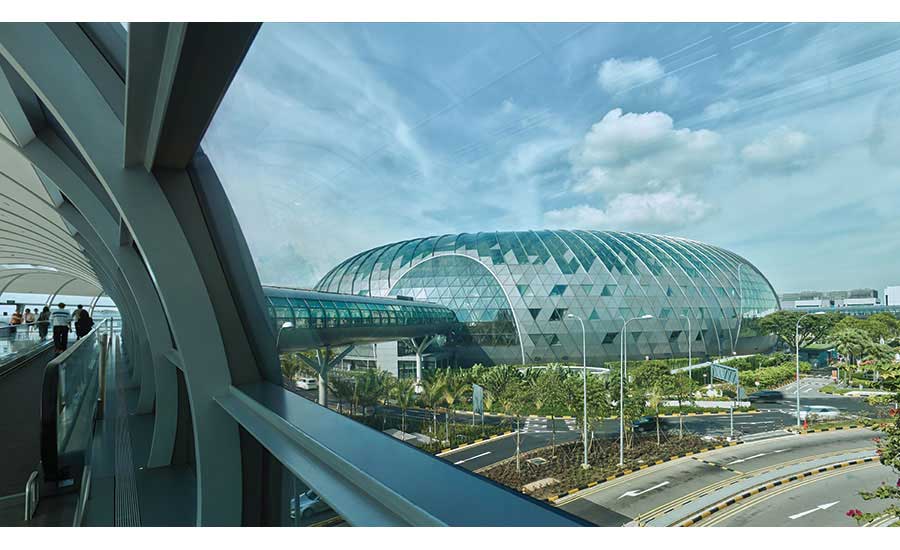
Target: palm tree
x=404, y=394
x=290, y=367
x=454, y=390
x=343, y=389
x=432, y=393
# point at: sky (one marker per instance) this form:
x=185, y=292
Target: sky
x=778, y=141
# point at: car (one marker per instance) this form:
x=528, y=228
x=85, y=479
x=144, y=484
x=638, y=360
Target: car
x=647, y=424
x=819, y=412
x=308, y=503
x=765, y=396
x=307, y=383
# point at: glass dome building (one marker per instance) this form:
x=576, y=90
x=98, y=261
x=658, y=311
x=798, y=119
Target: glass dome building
x=513, y=292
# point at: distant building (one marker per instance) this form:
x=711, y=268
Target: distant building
x=814, y=299
x=891, y=296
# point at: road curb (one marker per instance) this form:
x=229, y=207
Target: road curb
x=771, y=485
x=474, y=443
x=835, y=429
x=570, y=492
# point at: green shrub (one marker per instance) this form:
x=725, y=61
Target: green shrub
x=772, y=376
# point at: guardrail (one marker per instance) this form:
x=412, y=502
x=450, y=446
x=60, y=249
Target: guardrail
x=370, y=478
x=70, y=396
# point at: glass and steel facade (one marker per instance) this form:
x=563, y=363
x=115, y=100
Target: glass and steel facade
x=514, y=290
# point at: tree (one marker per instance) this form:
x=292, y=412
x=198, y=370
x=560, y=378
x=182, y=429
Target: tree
x=851, y=343
x=495, y=381
x=513, y=397
x=344, y=389
x=370, y=388
x=290, y=367
x=404, y=395
x=432, y=394
x=683, y=387
x=454, y=389
x=656, y=381
x=783, y=324
x=550, y=384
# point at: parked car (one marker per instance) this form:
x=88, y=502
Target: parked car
x=819, y=412
x=307, y=504
x=765, y=396
x=647, y=424
x=307, y=383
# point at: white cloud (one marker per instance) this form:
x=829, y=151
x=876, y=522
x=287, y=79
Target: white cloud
x=642, y=151
x=721, y=109
x=617, y=75
x=783, y=149
x=643, y=211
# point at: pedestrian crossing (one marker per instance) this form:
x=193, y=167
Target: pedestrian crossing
x=543, y=425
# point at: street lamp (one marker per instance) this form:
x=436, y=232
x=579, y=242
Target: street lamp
x=741, y=306
x=284, y=325
x=797, y=350
x=623, y=365
x=584, y=463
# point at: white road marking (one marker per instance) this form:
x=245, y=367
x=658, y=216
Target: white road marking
x=738, y=461
x=472, y=458
x=637, y=492
x=816, y=509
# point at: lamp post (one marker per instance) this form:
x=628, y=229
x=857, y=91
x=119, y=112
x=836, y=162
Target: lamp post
x=741, y=310
x=797, y=351
x=623, y=365
x=284, y=325
x=584, y=464
x=690, y=372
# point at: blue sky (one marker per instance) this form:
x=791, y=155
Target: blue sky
x=780, y=142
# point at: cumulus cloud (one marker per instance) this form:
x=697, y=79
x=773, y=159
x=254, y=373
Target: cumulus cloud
x=667, y=209
x=783, y=149
x=619, y=75
x=642, y=151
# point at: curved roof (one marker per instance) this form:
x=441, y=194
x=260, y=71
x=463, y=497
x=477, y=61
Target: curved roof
x=32, y=232
x=566, y=252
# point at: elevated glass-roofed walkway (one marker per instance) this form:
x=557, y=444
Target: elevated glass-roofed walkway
x=326, y=319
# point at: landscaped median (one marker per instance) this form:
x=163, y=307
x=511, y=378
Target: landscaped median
x=553, y=473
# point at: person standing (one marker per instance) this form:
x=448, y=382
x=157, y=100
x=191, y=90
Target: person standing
x=29, y=320
x=60, y=319
x=43, y=323
x=83, y=322
x=14, y=321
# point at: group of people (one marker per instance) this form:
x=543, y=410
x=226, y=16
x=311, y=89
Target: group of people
x=60, y=319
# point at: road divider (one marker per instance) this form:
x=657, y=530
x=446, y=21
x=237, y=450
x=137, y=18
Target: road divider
x=834, y=428
x=553, y=499
x=693, y=520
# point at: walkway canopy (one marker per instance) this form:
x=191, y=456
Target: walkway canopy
x=328, y=319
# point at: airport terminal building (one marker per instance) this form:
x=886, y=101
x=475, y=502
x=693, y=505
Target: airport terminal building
x=513, y=293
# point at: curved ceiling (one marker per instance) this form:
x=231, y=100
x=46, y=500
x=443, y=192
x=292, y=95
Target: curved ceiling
x=32, y=233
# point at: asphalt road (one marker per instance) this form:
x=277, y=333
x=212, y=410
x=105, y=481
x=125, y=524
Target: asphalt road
x=656, y=490
x=819, y=501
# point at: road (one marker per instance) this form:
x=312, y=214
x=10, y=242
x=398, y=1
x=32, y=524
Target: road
x=819, y=501
x=654, y=491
